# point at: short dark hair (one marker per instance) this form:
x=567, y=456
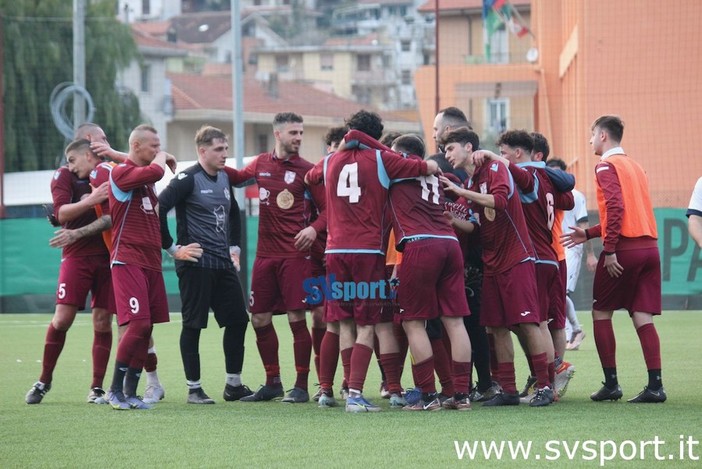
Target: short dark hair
x=462, y=135
x=411, y=144
x=389, y=137
x=541, y=144
x=207, y=134
x=367, y=122
x=286, y=118
x=613, y=125
x=557, y=163
x=454, y=117
x=77, y=145
x=517, y=139
x=335, y=135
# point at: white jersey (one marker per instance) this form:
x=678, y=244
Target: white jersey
x=696, y=199
x=577, y=214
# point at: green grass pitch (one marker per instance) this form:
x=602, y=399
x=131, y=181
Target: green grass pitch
x=65, y=431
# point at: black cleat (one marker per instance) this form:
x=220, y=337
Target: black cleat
x=36, y=393
x=198, y=396
x=607, y=394
x=542, y=397
x=235, y=393
x=264, y=393
x=649, y=396
x=502, y=398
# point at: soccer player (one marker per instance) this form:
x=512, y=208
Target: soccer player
x=628, y=273
x=283, y=245
x=577, y=216
x=207, y=214
x=694, y=213
x=357, y=178
x=84, y=268
x=431, y=281
x=509, y=290
x=140, y=293
x=446, y=120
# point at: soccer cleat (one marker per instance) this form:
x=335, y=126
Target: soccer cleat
x=502, y=398
x=429, y=406
x=297, y=395
x=413, y=395
x=360, y=404
x=97, y=396
x=344, y=393
x=198, y=396
x=37, y=393
x=543, y=397
x=607, y=394
x=397, y=401
x=481, y=396
x=649, y=396
x=117, y=400
x=316, y=395
x=457, y=402
x=563, y=375
x=135, y=402
x=529, y=387
x=575, y=340
x=154, y=393
x=234, y=393
x=326, y=398
x=384, y=393
x=264, y=393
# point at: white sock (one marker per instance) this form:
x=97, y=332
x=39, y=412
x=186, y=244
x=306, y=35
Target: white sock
x=152, y=378
x=234, y=379
x=570, y=313
x=193, y=384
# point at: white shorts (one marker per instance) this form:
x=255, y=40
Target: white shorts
x=574, y=257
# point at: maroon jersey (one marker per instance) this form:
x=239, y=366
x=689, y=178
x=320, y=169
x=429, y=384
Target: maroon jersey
x=136, y=231
x=285, y=205
x=503, y=232
x=66, y=188
x=357, y=179
x=417, y=207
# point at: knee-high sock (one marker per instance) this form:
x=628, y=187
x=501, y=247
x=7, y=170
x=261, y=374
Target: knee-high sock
x=360, y=359
x=391, y=365
x=233, y=346
x=651, y=346
x=317, y=337
x=53, y=345
x=328, y=359
x=302, y=347
x=442, y=366
x=423, y=373
x=461, y=376
x=346, y=364
x=267, y=343
x=102, y=344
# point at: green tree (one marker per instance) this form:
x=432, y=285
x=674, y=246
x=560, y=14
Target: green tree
x=38, y=56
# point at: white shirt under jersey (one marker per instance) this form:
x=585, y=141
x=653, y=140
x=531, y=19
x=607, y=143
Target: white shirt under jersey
x=577, y=214
x=695, y=206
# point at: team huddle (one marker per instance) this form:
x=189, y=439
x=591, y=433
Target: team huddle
x=392, y=251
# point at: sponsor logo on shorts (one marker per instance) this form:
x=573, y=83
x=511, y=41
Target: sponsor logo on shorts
x=319, y=288
x=525, y=313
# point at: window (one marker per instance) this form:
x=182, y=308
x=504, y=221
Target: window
x=497, y=114
x=326, y=61
x=262, y=143
x=363, y=62
x=145, y=7
x=145, y=78
x=499, y=46
x=282, y=63
x=407, y=77
x=406, y=46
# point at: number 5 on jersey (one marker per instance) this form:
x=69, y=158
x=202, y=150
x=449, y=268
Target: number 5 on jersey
x=347, y=186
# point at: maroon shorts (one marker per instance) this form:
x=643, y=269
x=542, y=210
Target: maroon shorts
x=557, y=309
x=356, y=269
x=510, y=298
x=431, y=280
x=277, y=284
x=549, y=286
x=139, y=294
x=638, y=289
x=80, y=275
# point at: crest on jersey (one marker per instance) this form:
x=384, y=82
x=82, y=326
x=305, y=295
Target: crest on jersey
x=263, y=195
x=289, y=177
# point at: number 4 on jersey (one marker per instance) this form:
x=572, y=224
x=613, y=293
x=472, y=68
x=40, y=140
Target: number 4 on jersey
x=348, y=183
